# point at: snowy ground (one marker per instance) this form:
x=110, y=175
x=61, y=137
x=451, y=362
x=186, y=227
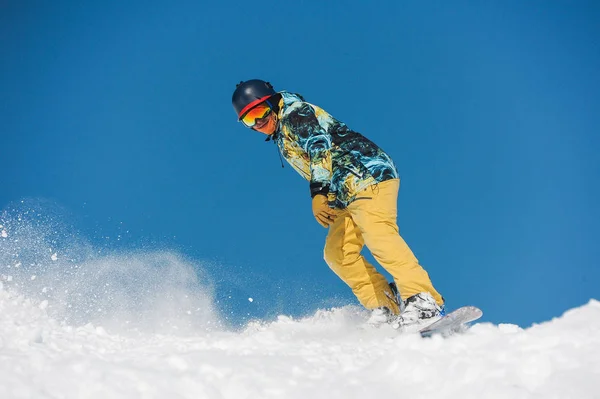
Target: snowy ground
x=78, y=324
x=328, y=355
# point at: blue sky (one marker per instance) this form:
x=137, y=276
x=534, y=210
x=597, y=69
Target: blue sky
x=120, y=113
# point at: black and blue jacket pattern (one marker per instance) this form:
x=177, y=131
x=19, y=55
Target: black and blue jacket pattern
x=338, y=161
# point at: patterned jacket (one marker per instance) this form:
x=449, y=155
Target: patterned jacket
x=337, y=161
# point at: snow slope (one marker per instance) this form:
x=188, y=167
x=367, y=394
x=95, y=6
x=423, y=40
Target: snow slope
x=77, y=323
x=328, y=355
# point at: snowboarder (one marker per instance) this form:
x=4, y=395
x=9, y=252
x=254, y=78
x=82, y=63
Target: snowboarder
x=354, y=188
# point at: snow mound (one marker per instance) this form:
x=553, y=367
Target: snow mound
x=79, y=323
x=328, y=355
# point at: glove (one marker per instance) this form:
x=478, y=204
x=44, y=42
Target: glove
x=321, y=210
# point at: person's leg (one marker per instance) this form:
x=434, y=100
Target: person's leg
x=375, y=214
x=342, y=253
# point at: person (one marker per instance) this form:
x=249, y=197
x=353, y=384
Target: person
x=354, y=188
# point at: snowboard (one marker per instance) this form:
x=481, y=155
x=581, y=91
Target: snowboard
x=452, y=322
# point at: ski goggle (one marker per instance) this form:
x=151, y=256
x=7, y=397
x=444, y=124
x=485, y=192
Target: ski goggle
x=260, y=111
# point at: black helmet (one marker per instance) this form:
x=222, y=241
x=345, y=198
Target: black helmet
x=249, y=93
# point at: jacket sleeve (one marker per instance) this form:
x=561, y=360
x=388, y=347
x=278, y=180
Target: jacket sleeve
x=316, y=142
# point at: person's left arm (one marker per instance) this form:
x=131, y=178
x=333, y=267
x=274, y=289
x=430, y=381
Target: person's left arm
x=316, y=142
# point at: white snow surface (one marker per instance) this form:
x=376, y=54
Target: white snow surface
x=81, y=323
x=328, y=355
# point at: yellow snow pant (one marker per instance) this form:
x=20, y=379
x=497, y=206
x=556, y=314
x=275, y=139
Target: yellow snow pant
x=371, y=219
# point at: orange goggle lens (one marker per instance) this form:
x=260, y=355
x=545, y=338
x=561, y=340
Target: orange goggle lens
x=260, y=111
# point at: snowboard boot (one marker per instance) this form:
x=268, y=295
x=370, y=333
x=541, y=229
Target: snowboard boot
x=380, y=316
x=420, y=310
x=384, y=315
